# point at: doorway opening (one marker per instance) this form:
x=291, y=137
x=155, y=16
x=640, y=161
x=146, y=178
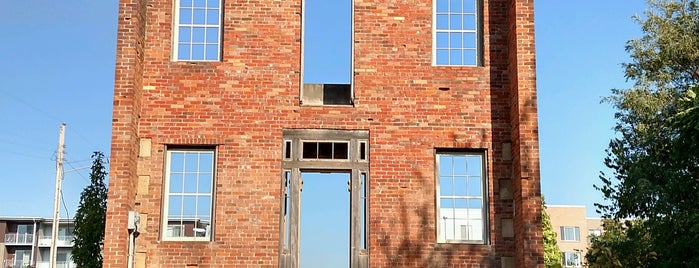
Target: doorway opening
x=325, y=220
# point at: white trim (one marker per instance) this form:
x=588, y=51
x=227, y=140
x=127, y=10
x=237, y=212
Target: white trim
x=166, y=196
x=176, y=33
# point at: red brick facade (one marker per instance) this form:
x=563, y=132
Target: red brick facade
x=242, y=103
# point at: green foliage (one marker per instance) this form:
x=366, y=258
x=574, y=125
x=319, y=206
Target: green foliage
x=552, y=253
x=90, y=217
x=655, y=158
x=621, y=245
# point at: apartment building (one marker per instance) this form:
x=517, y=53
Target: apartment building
x=574, y=229
x=27, y=242
x=219, y=123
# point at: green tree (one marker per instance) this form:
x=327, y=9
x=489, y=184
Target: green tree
x=552, y=253
x=622, y=244
x=90, y=217
x=655, y=157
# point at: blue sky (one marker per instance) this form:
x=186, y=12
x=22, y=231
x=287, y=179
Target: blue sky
x=57, y=66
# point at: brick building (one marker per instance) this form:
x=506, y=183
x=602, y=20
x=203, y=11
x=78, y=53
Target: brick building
x=214, y=128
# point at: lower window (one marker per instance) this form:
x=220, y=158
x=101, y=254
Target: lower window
x=188, y=194
x=461, y=203
x=571, y=259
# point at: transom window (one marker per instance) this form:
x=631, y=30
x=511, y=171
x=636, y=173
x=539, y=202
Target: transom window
x=570, y=233
x=461, y=203
x=188, y=194
x=198, y=30
x=455, y=32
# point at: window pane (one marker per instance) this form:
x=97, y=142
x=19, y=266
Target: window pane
x=474, y=165
x=455, y=6
x=446, y=203
x=185, y=3
x=445, y=186
x=442, y=6
x=455, y=57
x=455, y=22
x=442, y=22
x=212, y=17
x=185, y=35
x=183, y=54
x=460, y=186
x=177, y=159
x=442, y=40
x=470, y=57
x=204, y=208
x=213, y=4
x=474, y=186
x=206, y=162
x=198, y=34
x=189, y=205
x=469, y=22
x=200, y=3
x=197, y=52
x=174, y=207
x=442, y=57
x=469, y=40
x=469, y=6
x=190, y=183
x=460, y=203
x=185, y=16
x=199, y=16
x=175, y=183
x=205, y=183
x=474, y=203
x=212, y=35
x=459, y=165
x=455, y=41
x=212, y=52
x=445, y=165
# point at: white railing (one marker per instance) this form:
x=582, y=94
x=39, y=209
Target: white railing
x=15, y=264
x=62, y=241
x=19, y=238
x=59, y=264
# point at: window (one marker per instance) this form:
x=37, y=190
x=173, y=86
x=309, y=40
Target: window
x=455, y=32
x=197, y=30
x=570, y=233
x=461, y=209
x=571, y=259
x=188, y=195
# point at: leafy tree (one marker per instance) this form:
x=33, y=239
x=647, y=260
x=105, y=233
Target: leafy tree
x=624, y=244
x=552, y=253
x=655, y=158
x=90, y=217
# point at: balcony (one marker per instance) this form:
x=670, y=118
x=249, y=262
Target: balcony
x=59, y=264
x=19, y=239
x=15, y=264
x=62, y=241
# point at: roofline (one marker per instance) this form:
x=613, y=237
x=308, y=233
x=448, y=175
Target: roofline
x=34, y=219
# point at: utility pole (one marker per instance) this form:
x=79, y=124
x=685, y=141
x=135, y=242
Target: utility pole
x=57, y=195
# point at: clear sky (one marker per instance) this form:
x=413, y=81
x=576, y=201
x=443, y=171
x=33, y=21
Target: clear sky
x=57, y=65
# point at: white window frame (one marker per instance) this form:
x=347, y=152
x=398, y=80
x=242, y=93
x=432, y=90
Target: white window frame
x=176, y=33
x=576, y=234
x=577, y=258
x=166, y=197
x=441, y=235
x=477, y=32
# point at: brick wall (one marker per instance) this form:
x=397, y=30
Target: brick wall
x=242, y=103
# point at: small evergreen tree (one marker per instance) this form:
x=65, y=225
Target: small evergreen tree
x=90, y=217
x=552, y=253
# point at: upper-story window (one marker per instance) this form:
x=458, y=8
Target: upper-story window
x=570, y=233
x=455, y=32
x=197, y=30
